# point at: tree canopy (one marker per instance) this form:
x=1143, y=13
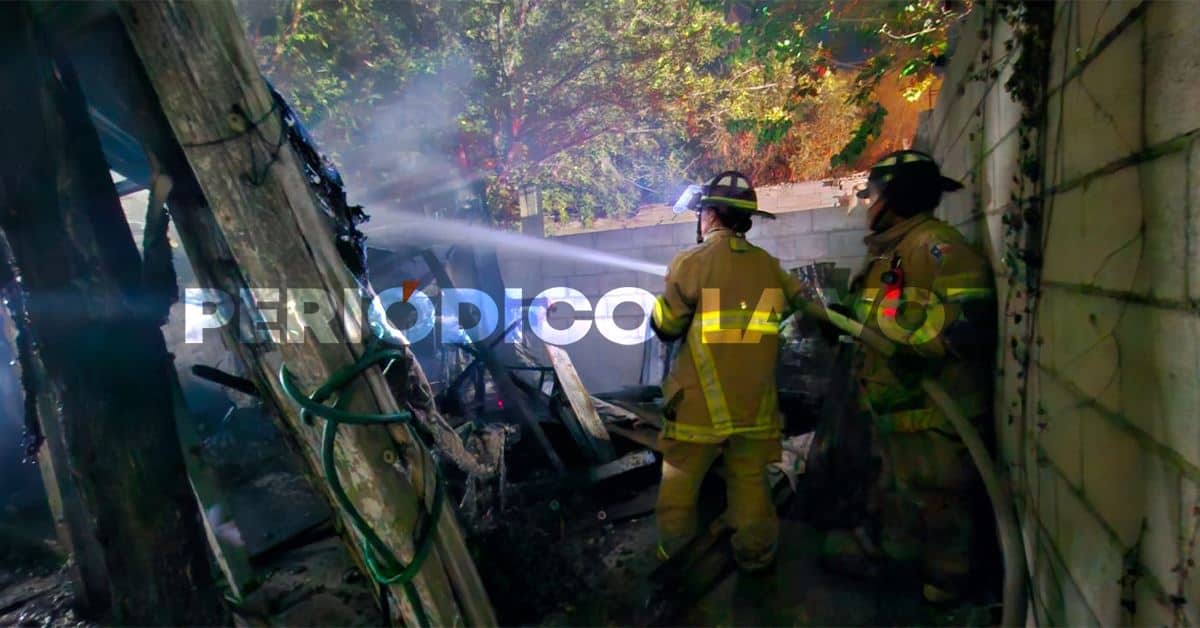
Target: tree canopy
x=601, y=104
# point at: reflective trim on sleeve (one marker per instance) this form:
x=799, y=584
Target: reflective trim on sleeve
x=957, y=295
x=911, y=421
x=962, y=286
x=665, y=320
x=675, y=430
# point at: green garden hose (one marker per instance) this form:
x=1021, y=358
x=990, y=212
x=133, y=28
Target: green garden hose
x=383, y=564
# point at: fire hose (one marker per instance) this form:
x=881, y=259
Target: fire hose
x=1011, y=545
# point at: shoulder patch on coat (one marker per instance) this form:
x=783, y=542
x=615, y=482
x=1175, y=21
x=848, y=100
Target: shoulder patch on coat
x=939, y=250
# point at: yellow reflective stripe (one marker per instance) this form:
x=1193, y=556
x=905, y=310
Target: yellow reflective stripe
x=732, y=202
x=665, y=320
x=766, y=408
x=961, y=284
x=731, y=319
x=968, y=294
x=702, y=434
x=911, y=420
x=763, y=326
x=706, y=369
x=738, y=320
x=697, y=433
x=923, y=335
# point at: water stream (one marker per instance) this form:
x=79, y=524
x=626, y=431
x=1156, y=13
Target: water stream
x=410, y=230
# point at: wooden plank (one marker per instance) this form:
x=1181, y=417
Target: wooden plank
x=230, y=554
x=597, y=445
x=103, y=356
x=72, y=529
x=198, y=62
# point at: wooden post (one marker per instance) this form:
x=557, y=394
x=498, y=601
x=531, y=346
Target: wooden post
x=104, y=359
x=208, y=86
x=71, y=526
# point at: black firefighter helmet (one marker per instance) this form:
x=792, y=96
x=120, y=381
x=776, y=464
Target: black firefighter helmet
x=730, y=189
x=909, y=178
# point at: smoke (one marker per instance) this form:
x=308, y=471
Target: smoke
x=403, y=149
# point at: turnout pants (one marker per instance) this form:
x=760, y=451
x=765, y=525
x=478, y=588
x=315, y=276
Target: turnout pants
x=923, y=502
x=750, y=509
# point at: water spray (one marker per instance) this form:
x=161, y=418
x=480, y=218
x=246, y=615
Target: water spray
x=403, y=231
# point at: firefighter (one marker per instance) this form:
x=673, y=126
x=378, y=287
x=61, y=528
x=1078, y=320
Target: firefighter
x=725, y=299
x=923, y=286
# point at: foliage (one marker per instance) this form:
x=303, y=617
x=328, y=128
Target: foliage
x=800, y=43
x=565, y=93
x=334, y=58
x=602, y=104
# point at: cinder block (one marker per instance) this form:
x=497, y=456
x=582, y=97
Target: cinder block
x=658, y=254
x=1044, y=491
x=783, y=225
x=965, y=49
x=525, y=282
x=952, y=137
x=1193, y=238
x=957, y=208
x=810, y=246
x=1083, y=25
x=585, y=240
x=1003, y=142
x=683, y=235
x=550, y=281
x=1080, y=345
x=1159, y=374
x=1172, y=63
x=992, y=245
x=1152, y=608
x=1112, y=474
x=1092, y=239
x=612, y=281
x=1062, y=437
x=1047, y=582
x=847, y=243
x=770, y=245
x=617, y=238
x=658, y=235
x=1101, y=109
x=1093, y=562
x=1168, y=508
x=836, y=219
x=1162, y=268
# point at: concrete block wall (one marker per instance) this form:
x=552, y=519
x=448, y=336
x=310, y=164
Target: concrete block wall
x=829, y=234
x=1101, y=436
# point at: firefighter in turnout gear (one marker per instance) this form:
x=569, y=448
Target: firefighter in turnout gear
x=725, y=299
x=928, y=290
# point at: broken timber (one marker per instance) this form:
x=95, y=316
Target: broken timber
x=585, y=424
x=198, y=62
x=99, y=356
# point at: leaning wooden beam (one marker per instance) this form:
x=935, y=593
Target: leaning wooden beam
x=219, y=109
x=71, y=526
x=101, y=354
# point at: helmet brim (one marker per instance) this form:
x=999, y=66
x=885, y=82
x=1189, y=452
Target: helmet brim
x=948, y=185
